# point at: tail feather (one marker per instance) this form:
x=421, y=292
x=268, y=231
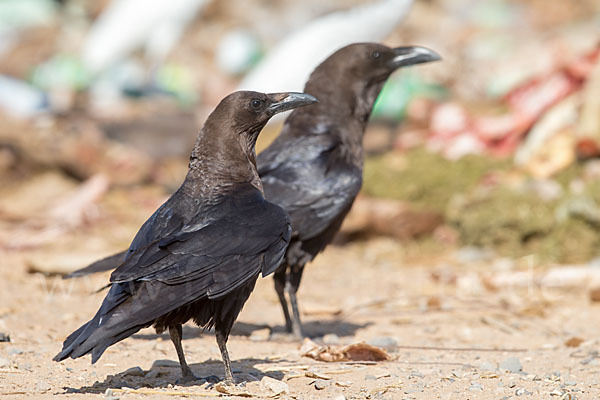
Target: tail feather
x=125, y=310
x=105, y=264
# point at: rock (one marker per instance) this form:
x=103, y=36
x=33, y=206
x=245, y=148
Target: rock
x=4, y=337
x=260, y=335
x=42, y=386
x=321, y=384
x=331, y=338
x=523, y=392
x=476, y=386
x=370, y=377
x=383, y=341
x=134, y=371
x=273, y=385
x=570, y=383
x=488, y=366
x=4, y=362
x=511, y=364
x=339, y=397
x=110, y=395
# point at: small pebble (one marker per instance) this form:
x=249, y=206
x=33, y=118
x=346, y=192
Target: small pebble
x=522, y=392
x=476, y=386
x=571, y=383
x=14, y=351
x=331, y=338
x=339, y=397
x=109, y=395
x=321, y=384
x=370, y=377
x=383, y=341
x=4, y=362
x=511, y=364
x=134, y=371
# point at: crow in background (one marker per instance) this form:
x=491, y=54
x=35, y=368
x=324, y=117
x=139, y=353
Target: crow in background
x=200, y=254
x=313, y=169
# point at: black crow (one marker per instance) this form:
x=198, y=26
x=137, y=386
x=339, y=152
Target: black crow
x=313, y=169
x=200, y=254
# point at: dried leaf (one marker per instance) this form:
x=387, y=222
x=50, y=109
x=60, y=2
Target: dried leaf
x=365, y=352
x=574, y=342
x=353, y=352
x=595, y=294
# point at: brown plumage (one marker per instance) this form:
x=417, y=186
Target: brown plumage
x=199, y=255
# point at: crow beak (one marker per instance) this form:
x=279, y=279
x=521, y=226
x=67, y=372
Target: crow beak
x=287, y=101
x=411, y=55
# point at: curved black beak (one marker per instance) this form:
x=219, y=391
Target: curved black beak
x=411, y=55
x=287, y=101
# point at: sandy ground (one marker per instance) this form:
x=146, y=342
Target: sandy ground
x=446, y=333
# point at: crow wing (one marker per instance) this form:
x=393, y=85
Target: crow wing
x=309, y=177
x=201, y=259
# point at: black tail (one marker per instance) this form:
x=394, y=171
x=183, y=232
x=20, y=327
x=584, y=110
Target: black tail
x=105, y=264
x=106, y=328
x=127, y=308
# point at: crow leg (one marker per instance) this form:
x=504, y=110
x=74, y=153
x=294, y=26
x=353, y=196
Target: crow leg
x=176, y=333
x=291, y=287
x=222, y=342
x=280, y=283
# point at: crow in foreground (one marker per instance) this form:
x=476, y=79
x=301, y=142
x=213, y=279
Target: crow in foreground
x=314, y=167
x=200, y=254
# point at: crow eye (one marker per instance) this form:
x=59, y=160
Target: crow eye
x=375, y=55
x=256, y=104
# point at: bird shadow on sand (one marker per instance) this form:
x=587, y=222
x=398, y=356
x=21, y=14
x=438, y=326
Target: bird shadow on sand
x=164, y=373
x=312, y=329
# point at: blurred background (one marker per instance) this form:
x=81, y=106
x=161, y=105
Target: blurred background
x=492, y=150
x=478, y=224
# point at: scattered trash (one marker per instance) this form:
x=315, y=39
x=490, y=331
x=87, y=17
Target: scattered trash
x=311, y=44
x=20, y=99
x=237, y=52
